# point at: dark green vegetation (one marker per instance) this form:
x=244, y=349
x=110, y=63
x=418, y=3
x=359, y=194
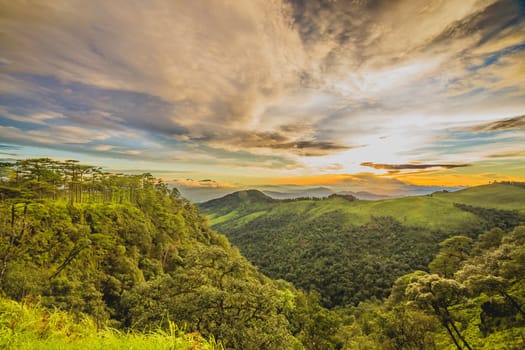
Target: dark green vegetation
x=442, y=271
x=473, y=298
x=98, y=260
x=351, y=250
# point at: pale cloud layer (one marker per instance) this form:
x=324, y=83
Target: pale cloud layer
x=269, y=87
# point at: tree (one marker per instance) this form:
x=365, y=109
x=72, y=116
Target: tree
x=491, y=285
x=398, y=291
x=488, y=240
x=14, y=228
x=453, y=251
x=438, y=294
x=406, y=328
x=512, y=254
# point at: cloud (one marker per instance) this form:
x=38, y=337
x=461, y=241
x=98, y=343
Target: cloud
x=482, y=23
x=9, y=147
x=202, y=190
x=399, y=167
x=502, y=124
x=53, y=101
x=508, y=154
x=332, y=167
x=57, y=134
x=37, y=118
x=9, y=150
x=363, y=181
x=206, y=183
x=300, y=147
x=354, y=33
x=224, y=84
x=289, y=138
x=207, y=57
x=311, y=148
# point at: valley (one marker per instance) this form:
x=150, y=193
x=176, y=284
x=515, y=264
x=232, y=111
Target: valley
x=100, y=259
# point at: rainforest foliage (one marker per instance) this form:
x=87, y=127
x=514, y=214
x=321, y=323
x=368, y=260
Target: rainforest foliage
x=132, y=254
x=473, y=297
x=90, y=259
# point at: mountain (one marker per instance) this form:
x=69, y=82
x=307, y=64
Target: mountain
x=318, y=192
x=240, y=200
x=364, y=195
x=434, y=211
x=351, y=250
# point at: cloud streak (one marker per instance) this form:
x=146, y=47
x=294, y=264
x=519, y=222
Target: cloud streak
x=398, y=167
x=206, y=183
x=503, y=124
x=508, y=154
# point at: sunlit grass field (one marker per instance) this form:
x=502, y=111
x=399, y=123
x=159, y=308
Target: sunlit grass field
x=29, y=326
x=434, y=211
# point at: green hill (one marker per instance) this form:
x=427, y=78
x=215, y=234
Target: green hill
x=436, y=211
x=350, y=250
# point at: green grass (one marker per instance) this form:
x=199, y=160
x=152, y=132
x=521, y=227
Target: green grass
x=434, y=211
x=214, y=220
x=239, y=218
x=26, y=326
x=498, y=196
x=414, y=211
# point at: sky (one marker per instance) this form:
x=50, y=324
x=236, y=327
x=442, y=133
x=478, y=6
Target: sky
x=390, y=97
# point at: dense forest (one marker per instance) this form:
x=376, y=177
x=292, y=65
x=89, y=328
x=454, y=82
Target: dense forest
x=91, y=259
x=356, y=254
x=318, y=245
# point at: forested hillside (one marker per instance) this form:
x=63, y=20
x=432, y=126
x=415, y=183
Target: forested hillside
x=472, y=296
x=133, y=255
x=350, y=250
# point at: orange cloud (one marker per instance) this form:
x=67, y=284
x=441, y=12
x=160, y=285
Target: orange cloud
x=325, y=179
x=445, y=178
x=206, y=183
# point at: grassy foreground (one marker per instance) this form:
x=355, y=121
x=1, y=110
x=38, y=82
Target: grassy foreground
x=29, y=326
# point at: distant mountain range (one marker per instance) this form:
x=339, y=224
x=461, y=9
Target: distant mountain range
x=317, y=192
x=322, y=192
x=203, y=194
x=365, y=195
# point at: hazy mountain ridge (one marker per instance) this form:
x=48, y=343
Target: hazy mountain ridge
x=413, y=210
x=321, y=192
x=317, y=192
x=365, y=195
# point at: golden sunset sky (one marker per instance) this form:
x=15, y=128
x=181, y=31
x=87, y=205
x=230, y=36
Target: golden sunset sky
x=391, y=97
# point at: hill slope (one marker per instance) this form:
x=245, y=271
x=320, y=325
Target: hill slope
x=435, y=211
x=133, y=255
x=350, y=250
